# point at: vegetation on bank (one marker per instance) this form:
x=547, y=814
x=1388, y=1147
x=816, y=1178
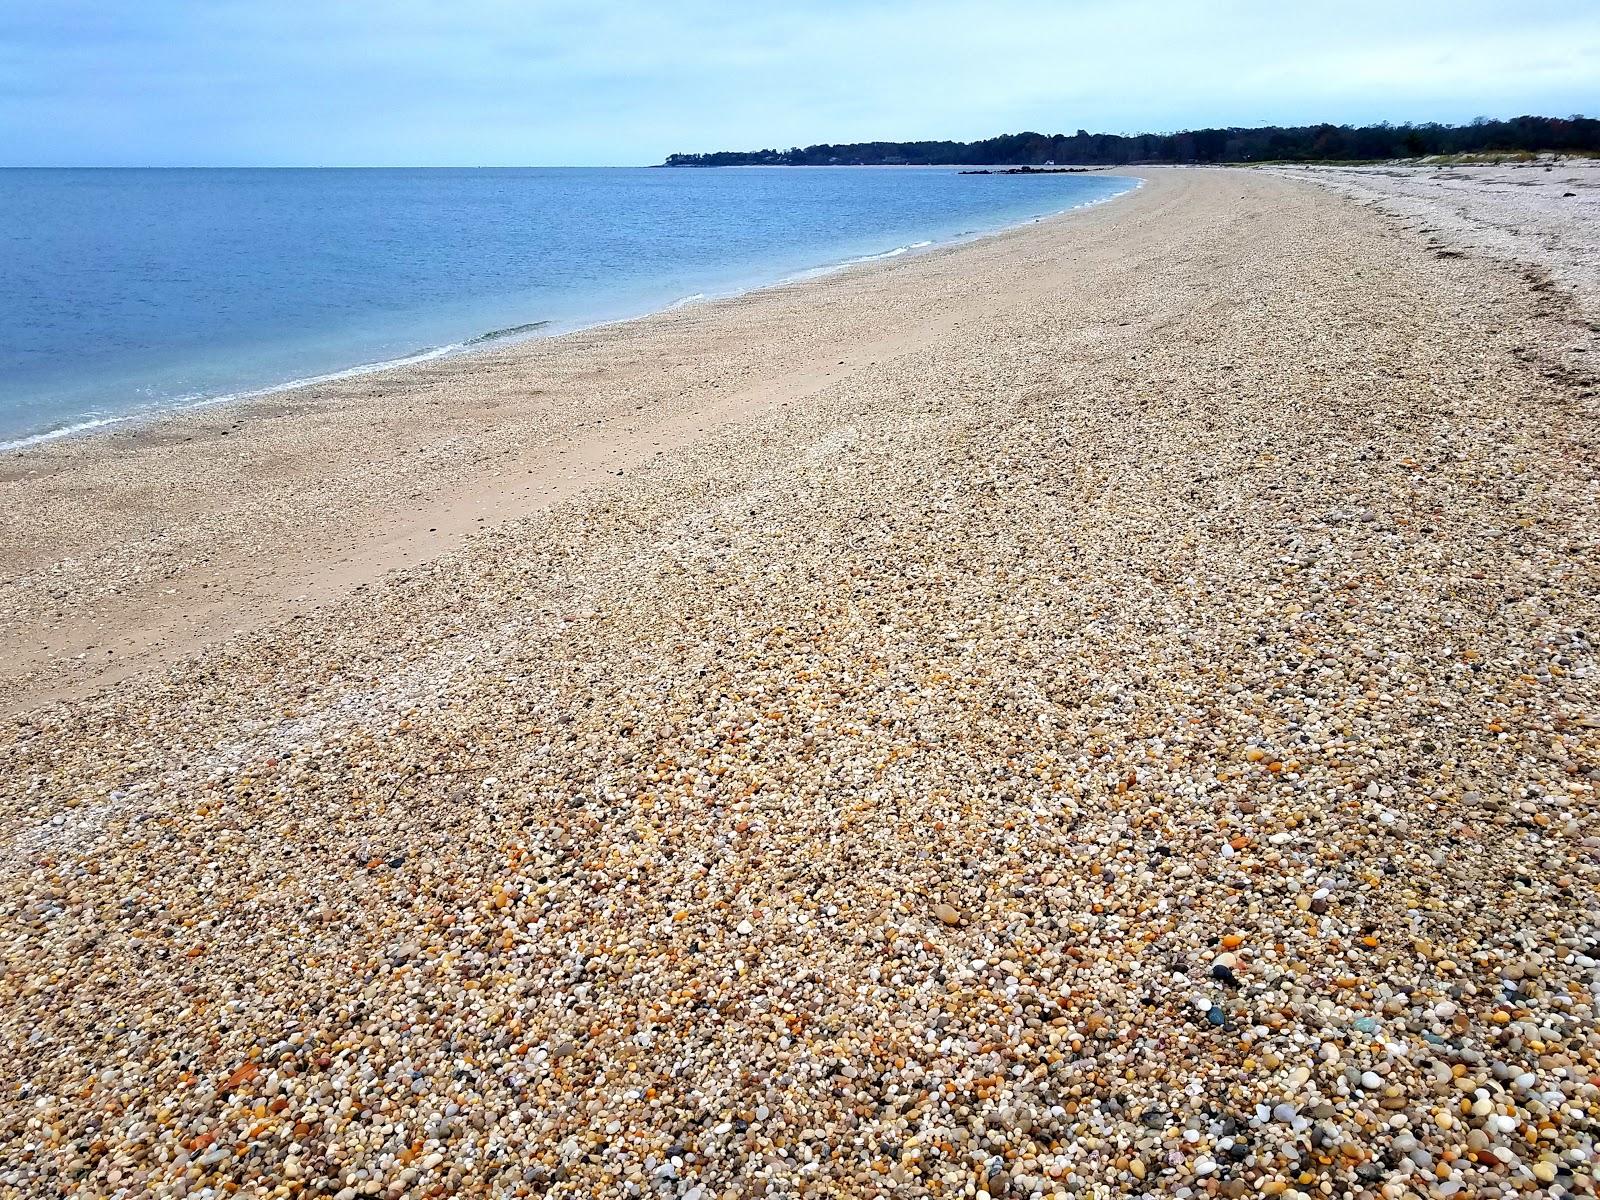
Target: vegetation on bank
x=1305, y=143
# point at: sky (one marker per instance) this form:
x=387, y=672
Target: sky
x=620, y=82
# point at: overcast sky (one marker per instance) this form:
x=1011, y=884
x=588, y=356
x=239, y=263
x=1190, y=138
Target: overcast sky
x=336, y=82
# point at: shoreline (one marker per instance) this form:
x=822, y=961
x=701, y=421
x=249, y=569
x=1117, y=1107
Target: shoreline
x=1113, y=708
x=515, y=334
x=253, y=549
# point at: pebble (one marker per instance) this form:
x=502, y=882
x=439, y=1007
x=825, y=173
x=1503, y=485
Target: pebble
x=837, y=808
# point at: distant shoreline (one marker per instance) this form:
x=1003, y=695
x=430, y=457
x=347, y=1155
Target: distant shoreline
x=1213, y=146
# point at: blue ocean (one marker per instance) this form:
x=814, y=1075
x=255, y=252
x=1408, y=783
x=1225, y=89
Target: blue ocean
x=128, y=292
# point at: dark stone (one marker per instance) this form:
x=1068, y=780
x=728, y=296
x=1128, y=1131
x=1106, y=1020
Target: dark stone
x=1226, y=975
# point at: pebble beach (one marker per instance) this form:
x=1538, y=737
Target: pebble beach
x=1127, y=725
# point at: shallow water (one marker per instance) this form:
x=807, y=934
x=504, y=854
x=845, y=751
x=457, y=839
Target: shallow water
x=128, y=291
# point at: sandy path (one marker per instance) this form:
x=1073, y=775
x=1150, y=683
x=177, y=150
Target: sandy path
x=1138, y=734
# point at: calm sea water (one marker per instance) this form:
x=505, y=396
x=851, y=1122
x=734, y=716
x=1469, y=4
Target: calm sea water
x=128, y=291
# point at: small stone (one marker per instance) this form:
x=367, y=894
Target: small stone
x=1225, y=975
x=1024, y=695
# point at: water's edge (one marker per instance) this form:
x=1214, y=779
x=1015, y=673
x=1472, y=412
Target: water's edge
x=498, y=339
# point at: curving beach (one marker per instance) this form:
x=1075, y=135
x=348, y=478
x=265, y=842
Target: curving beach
x=1108, y=708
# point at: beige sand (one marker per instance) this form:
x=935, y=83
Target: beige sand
x=1116, y=713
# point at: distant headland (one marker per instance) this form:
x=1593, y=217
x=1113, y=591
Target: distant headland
x=1267, y=143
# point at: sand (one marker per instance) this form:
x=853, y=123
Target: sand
x=1108, y=709
x=1542, y=215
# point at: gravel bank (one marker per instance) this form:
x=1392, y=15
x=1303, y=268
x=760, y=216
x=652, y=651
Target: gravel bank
x=1142, y=739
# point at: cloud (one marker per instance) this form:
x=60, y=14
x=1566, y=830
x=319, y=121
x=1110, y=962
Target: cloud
x=556, y=81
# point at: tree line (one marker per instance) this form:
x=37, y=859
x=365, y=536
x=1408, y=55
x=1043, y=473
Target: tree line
x=1301, y=143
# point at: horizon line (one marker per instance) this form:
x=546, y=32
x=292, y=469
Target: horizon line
x=1463, y=124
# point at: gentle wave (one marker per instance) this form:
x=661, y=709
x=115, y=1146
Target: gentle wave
x=183, y=404
x=510, y=331
x=50, y=435
x=896, y=252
